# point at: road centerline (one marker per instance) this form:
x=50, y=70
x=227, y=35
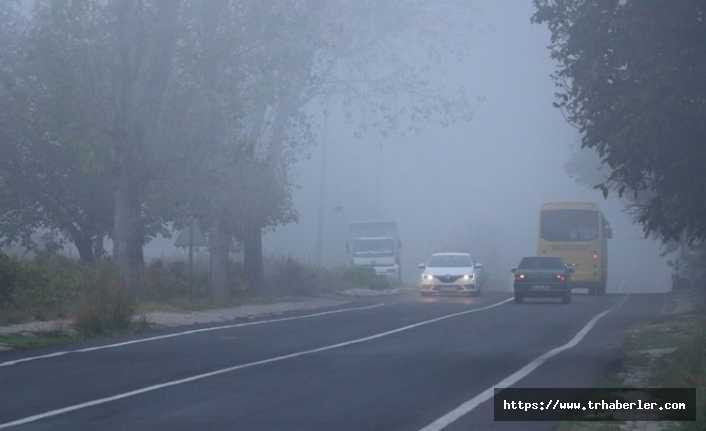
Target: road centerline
x=201, y=376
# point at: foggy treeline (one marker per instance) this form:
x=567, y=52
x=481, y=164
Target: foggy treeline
x=122, y=120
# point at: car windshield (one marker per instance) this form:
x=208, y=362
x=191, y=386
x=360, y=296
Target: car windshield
x=373, y=246
x=450, y=260
x=569, y=225
x=542, y=263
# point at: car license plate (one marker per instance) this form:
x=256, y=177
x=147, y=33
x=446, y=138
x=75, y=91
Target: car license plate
x=541, y=287
x=450, y=288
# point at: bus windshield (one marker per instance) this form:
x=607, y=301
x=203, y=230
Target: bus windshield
x=569, y=225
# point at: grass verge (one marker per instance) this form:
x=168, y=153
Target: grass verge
x=27, y=341
x=669, y=351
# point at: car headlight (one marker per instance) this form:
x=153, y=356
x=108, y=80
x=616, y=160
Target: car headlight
x=467, y=277
x=427, y=277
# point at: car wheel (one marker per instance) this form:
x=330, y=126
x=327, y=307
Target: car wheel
x=566, y=299
x=518, y=299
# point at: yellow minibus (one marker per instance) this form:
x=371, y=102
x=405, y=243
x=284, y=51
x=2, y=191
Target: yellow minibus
x=577, y=232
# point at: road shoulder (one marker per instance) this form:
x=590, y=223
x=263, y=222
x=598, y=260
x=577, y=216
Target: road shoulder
x=38, y=334
x=666, y=351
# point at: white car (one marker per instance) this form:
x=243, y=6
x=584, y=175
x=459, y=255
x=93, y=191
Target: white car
x=452, y=273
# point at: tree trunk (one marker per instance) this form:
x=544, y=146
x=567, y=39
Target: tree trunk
x=128, y=234
x=252, y=259
x=84, y=245
x=219, y=246
x=98, y=248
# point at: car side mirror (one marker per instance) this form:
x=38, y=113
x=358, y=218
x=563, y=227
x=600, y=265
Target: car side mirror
x=421, y=266
x=478, y=265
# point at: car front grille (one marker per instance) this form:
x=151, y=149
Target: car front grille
x=447, y=278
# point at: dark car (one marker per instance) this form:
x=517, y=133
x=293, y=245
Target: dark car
x=542, y=277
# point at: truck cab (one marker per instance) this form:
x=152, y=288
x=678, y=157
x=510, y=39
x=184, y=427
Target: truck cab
x=376, y=245
x=378, y=252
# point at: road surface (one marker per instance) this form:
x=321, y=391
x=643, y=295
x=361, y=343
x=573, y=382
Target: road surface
x=402, y=364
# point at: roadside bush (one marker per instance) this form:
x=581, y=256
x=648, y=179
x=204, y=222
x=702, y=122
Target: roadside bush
x=10, y=270
x=363, y=277
x=42, y=288
x=686, y=367
x=105, y=305
x=52, y=284
x=290, y=277
x=167, y=281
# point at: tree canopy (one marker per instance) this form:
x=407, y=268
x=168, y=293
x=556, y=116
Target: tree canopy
x=121, y=118
x=630, y=77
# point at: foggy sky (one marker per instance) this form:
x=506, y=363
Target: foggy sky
x=493, y=172
x=488, y=176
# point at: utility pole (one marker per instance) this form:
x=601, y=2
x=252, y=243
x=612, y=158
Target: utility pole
x=191, y=259
x=322, y=190
x=378, y=181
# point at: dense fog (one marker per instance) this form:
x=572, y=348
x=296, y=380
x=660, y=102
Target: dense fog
x=475, y=185
x=485, y=178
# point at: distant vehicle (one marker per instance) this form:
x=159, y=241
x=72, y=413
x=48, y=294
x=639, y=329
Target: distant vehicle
x=542, y=276
x=376, y=244
x=578, y=233
x=452, y=273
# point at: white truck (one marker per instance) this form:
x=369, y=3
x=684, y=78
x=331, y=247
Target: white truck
x=376, y=244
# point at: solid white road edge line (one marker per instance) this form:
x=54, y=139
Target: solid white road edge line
x=518, y=375
x=98, y=401
x=189, y=332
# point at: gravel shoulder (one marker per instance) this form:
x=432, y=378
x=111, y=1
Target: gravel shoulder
x=184, y=318
x=172, y=318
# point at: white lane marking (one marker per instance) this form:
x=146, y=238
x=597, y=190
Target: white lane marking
x=518, y=375
x=182, y=333
x=98, y=401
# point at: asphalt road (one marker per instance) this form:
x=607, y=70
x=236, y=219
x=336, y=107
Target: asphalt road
x=401, y=365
